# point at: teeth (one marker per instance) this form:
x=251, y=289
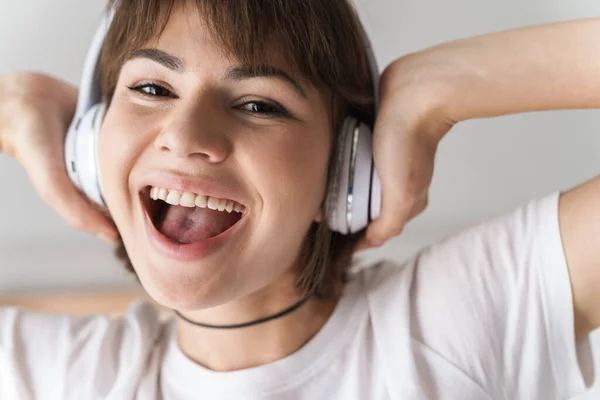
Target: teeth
x=191, y=200
x=162, y=194
x=188, y=200
x=201, y=201
x=213, y=203
x=174, y=198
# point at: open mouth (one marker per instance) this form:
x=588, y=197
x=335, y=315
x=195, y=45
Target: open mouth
x=187, y=218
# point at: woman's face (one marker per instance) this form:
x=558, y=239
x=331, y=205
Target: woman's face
x=186, y=118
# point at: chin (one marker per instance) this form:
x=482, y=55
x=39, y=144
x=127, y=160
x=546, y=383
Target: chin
x=186, y=292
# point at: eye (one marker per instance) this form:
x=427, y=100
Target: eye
x=262, y=108
x=152, y=90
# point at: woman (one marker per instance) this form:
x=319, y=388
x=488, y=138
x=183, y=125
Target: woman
x=502, y=310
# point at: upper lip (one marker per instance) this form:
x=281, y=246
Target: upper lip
x=182, y=183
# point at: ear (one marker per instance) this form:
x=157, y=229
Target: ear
x=320, y=216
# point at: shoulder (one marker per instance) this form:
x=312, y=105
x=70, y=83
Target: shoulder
x=47, y=353
x=493, y=250
x=472, y=278
x=491, y=301
x=141, y=320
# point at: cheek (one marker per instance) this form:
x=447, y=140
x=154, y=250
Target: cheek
x=118, y=150
x=292, y=173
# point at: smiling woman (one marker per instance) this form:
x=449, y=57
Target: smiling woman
x=220, y=139
x=285, y=82
x=216, y=149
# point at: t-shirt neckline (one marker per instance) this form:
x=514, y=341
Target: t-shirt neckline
x=179, y=371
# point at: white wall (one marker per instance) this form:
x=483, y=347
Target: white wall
x=483, y=168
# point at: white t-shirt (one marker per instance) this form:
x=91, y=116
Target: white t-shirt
x=486, y=314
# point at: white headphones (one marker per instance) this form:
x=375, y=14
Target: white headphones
x=357, y=197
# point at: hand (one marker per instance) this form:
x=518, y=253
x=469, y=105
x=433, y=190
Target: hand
x=545, y=67
x=410, y=124
x=35, y=113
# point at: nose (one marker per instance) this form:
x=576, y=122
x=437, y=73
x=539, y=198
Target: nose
x=195, y=132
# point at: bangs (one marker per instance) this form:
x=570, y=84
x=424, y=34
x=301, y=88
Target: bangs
x=307, y=35
x=320, y=41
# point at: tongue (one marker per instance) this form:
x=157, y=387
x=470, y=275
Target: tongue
x=190, y=225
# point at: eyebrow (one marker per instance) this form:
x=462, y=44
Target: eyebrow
x=165, y=59
x=235, y=73
x=248, y=72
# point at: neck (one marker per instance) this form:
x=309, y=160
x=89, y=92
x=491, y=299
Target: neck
x=235, y=349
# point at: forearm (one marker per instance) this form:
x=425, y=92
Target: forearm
x=82, y=302
x=547, y=67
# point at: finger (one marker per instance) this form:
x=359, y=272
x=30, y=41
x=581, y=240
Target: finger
x=49, y=178
x=383, y=229
x=398, y=164
x=74, y=208
x=78, y=211
x=399, y=206
x=387, y=137
x=419, y=207
x=404, y=162
x=363, y=244
x=367, y=241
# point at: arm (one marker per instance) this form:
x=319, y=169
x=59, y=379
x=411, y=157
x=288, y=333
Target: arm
x=579, y=216
x=422, y=95
x=113, y=302
x=548, y=67
x=554, y=66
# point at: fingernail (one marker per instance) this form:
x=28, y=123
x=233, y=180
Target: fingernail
x=106, y=237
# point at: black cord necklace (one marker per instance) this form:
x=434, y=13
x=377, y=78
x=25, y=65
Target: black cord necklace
x=246, y=324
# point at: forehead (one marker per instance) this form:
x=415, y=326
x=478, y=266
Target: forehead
x=311, y=40
x=195, y=35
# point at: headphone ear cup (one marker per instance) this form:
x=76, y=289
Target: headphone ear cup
x=81, y=153
x=336, y=204
x=361, y=186
x=356, y=195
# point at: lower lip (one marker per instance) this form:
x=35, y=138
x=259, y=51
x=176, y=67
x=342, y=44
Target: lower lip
x=186, y=252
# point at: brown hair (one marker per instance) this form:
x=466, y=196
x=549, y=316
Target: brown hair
x=322, y=41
